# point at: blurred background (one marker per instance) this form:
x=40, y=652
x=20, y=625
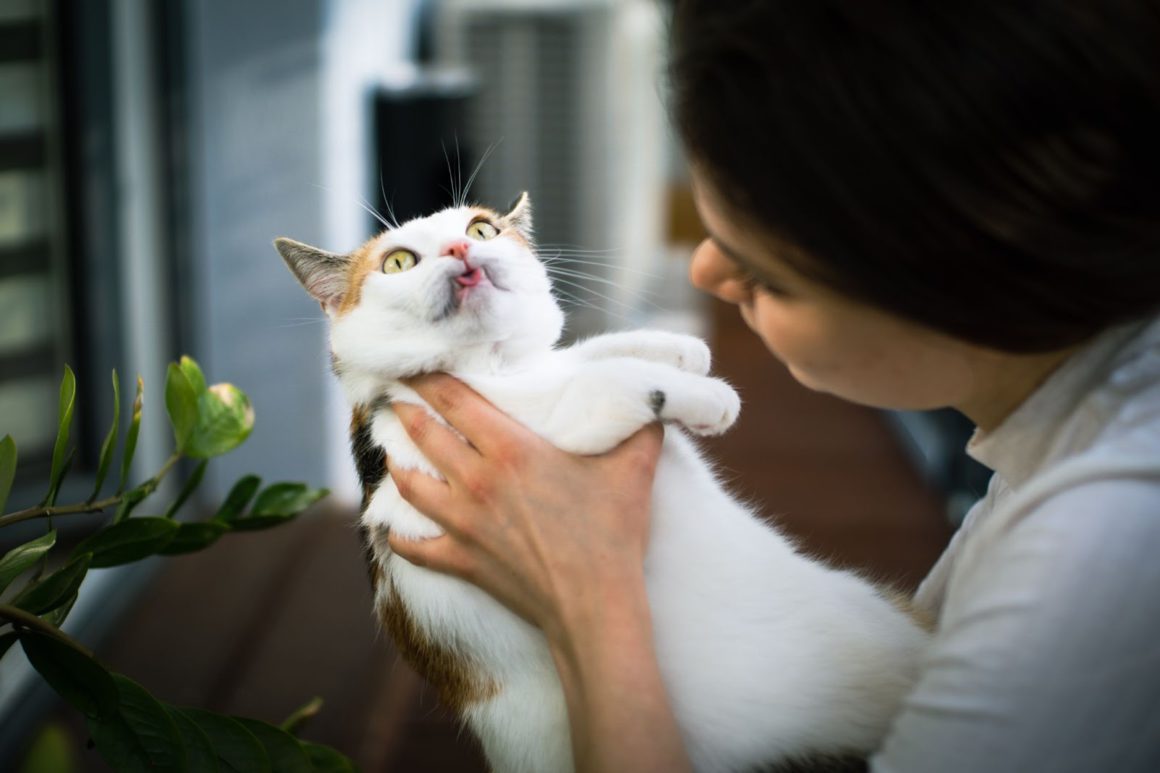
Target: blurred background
x=149, y=154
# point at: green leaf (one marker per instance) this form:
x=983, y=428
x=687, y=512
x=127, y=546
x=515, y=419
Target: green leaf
x=199, y=753
x=327, y=760
x=22, y=557
x=260, y=522
x=7, y=468
x=181, y=405
x=193, y=372
x=225, y=419
x=68, y=394
x=285, y=753
x=51, y=751
x=57, y=616
x=141, y=735
x=110, y=443
x=191, y=484
x=236, y=747
x=128, y=541
x=278, y=504
x=75, y=676
x=239, y=496
x=303, y=714
x=130, y=500
x=286, y=499
x=56, y=589
x=131, y=435
x=193, y=536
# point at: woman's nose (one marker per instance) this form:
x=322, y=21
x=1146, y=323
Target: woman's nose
x=714, y=272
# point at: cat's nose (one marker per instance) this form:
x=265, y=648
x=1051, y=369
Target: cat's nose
x=457, y=249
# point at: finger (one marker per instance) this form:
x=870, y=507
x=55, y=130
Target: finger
x=646, y=441
x=485, y=426
x=427, y=494
x=442, y=447
x=439, y=554
x=420, y=552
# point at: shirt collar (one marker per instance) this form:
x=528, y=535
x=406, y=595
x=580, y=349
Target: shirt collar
x=1047, y=424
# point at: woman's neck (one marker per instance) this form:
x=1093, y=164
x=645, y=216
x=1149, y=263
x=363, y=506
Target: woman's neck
x=1005, y=381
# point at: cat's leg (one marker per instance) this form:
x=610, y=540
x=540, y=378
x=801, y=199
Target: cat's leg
x=606, y=401
x=685, y=352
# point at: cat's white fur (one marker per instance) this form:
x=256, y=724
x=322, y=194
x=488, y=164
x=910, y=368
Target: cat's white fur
x=767, y=654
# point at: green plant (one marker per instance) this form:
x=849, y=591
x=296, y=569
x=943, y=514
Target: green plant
x=130, y=728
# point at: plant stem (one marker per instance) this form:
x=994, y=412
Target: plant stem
x=21, y=619
x=87, y=507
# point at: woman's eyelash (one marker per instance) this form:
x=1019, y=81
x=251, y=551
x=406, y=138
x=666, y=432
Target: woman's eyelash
x=755, y=282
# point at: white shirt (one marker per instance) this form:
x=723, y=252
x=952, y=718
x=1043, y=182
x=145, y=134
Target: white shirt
x=1046, y=655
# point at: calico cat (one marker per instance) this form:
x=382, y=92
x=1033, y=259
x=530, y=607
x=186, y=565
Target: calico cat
x=768, y=656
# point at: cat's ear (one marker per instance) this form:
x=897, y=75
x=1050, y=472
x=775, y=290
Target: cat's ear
x=519, y=215
x=322, y=273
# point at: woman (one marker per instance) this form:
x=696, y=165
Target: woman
x=914, y=205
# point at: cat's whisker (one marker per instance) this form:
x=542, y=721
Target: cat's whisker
x=362, y=203
x=608, y=298
x=557, y=259
x=300, y=323
x=574, y=247
x=371, y=211
x=556, y=271
x=459, y=172
x=391, y=212
x=577, y=301
x=454, y=191
x=478, y=167
x=387, y=200
x=553, y=262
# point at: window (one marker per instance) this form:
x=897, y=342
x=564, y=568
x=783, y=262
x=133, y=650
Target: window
x=34, y=323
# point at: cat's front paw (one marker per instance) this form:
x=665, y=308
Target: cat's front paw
x=684, y=352
x=708, y=409
x=692, y=355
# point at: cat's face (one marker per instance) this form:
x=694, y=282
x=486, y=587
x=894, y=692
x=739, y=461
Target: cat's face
x=433, y=289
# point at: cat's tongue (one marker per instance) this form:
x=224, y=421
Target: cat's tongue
x=470, y=278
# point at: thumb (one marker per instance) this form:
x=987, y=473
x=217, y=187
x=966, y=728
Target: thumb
x=643, y=446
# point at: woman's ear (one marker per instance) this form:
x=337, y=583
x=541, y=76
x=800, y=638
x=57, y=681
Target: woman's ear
x=323, y=274
x=519, y=215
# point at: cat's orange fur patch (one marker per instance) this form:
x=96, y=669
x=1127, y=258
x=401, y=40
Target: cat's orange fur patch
x=459, y=685
x=363, y=261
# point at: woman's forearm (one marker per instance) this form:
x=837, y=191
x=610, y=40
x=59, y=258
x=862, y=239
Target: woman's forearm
x=619, y=710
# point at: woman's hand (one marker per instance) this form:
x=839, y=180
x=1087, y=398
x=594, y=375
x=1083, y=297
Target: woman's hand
x=560, y=539
x=551, y=535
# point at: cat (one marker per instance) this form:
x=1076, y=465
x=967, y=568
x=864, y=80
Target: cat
x=768, y=656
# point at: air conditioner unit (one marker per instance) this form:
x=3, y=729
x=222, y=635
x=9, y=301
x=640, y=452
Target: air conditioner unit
x=569, y=98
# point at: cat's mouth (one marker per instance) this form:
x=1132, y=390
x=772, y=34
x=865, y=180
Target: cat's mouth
x=470, y=281
x=471, y=277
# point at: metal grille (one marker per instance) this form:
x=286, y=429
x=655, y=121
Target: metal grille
x=33, y=340
x=528, y=71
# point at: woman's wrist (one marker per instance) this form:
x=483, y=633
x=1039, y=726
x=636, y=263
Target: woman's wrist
x=618, y=706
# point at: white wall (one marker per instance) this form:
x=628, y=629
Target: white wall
x=366, y=42
x=277, y=91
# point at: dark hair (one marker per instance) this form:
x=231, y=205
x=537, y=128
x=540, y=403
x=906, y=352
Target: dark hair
x=987, y=169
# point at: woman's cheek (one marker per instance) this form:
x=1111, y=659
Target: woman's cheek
x=786, y=332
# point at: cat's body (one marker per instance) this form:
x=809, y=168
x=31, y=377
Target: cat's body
x=767, y=656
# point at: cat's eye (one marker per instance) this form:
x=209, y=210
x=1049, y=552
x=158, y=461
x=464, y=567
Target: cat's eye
x=399, y=260
x=482, y=230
